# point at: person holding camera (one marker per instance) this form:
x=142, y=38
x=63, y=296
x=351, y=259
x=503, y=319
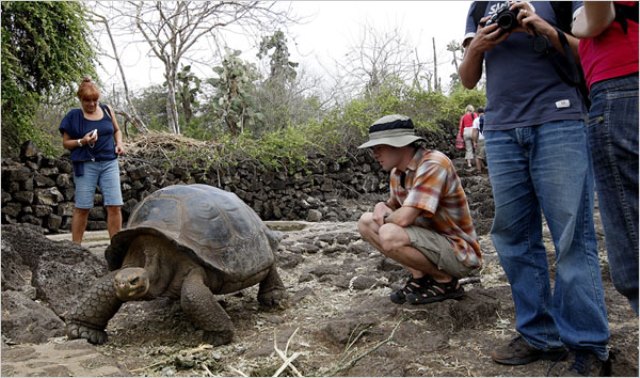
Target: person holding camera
x=425, y=225
x=93, y=136
x=539, y=163
x=609, y=54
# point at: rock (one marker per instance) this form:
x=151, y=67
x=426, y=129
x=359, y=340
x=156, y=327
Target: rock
x=26, y=321
x=289, y=260
x=59, y=271
x=333, y=324
x=343, y=330
x=314, y=215
x=49, y=196
x=28, y=150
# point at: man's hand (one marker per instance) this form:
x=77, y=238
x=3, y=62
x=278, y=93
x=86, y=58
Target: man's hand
x=487, y=37
x=380, y=211
x=529, y=21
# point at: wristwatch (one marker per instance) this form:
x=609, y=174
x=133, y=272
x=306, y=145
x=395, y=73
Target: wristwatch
x=79, y=142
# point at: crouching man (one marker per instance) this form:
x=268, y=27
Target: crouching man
x=425, y=224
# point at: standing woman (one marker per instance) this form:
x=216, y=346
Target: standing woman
x=94, y=138
x=466, y=131
x=609, y=55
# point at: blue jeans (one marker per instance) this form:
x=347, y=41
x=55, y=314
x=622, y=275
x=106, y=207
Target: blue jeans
x=613, y=138
x=105, y=174
x=547, y=169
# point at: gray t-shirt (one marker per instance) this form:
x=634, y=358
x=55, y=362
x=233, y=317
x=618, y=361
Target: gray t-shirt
x=523, y=87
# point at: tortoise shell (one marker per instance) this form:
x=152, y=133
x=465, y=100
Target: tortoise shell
x=213, y=226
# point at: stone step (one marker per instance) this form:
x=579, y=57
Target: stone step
x=94, y=241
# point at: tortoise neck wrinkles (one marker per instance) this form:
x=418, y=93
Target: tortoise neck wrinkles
x=165, y=266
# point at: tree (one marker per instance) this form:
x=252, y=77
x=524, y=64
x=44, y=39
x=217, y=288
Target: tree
x=234, y=97
x=276, y=94
x=45, y=53
x=283, y=70
x=188, y=88
x=173, y=30
x=132, y=118
x=377, y=57
x=436, y=79
x=454, y=46
x=152, y=105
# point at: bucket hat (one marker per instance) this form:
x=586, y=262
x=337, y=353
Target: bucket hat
x=394, y=130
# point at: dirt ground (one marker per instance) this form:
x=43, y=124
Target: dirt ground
x=338, y=322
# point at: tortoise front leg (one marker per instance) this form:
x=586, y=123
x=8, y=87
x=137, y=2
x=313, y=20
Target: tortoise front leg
x=271, y=292
x=96, y=307
x=200, y=305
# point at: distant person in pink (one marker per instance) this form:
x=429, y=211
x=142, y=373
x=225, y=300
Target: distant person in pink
x=466, y=123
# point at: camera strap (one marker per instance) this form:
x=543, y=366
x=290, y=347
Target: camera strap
x=565, y=64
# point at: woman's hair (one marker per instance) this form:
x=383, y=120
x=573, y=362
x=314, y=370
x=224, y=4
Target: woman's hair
x=88, y=89
x=469, y=108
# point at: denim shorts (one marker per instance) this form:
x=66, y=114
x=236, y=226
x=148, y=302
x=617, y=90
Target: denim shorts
x=438, y=250
x=106, y=175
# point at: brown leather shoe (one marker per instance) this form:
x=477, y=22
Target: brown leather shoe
x=519, y=352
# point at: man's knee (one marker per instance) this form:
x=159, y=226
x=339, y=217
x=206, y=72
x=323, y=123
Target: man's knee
x=392, y=237
x=364, y=223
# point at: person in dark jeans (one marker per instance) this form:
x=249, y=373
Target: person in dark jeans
x=539, y=163
x=609, y=55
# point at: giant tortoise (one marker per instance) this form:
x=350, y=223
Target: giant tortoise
x=188, y=242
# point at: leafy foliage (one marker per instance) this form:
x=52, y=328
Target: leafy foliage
x=188, y=86
x=45, y=51
x=282, y=70
x=342, y=129
x=337, y=133
x=275, y=93
x=234, y=100
x=152, y=106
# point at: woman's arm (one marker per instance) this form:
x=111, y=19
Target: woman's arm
x=593, y=18
x=71, y=144
x=117, y=134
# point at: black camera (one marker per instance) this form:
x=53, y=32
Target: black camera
x=506, y=18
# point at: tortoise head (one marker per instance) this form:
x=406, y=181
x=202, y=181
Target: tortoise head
x=131, y=284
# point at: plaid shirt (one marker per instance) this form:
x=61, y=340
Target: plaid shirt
x=432, y=185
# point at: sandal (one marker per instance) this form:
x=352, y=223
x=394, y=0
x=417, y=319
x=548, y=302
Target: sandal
x=435, y=292
x=400, y=296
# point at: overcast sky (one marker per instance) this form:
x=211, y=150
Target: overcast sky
x=330, y=30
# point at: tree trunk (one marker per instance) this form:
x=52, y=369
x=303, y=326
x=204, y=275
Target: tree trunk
x=455, y=60
x=134, y=118
x=172, y=108
x=436, y=82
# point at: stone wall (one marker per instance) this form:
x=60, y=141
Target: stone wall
x=40, y=191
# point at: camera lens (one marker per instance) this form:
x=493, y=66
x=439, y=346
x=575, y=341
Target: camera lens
x=507, y=21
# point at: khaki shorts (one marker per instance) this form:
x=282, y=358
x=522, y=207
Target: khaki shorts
x=438, y=250
x=480, y=149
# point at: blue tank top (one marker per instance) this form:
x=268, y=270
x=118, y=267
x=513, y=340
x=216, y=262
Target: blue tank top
x=76, y=126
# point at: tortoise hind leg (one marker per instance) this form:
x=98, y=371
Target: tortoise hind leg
x=205, y=312
x=98, y=305
x=271, y=292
